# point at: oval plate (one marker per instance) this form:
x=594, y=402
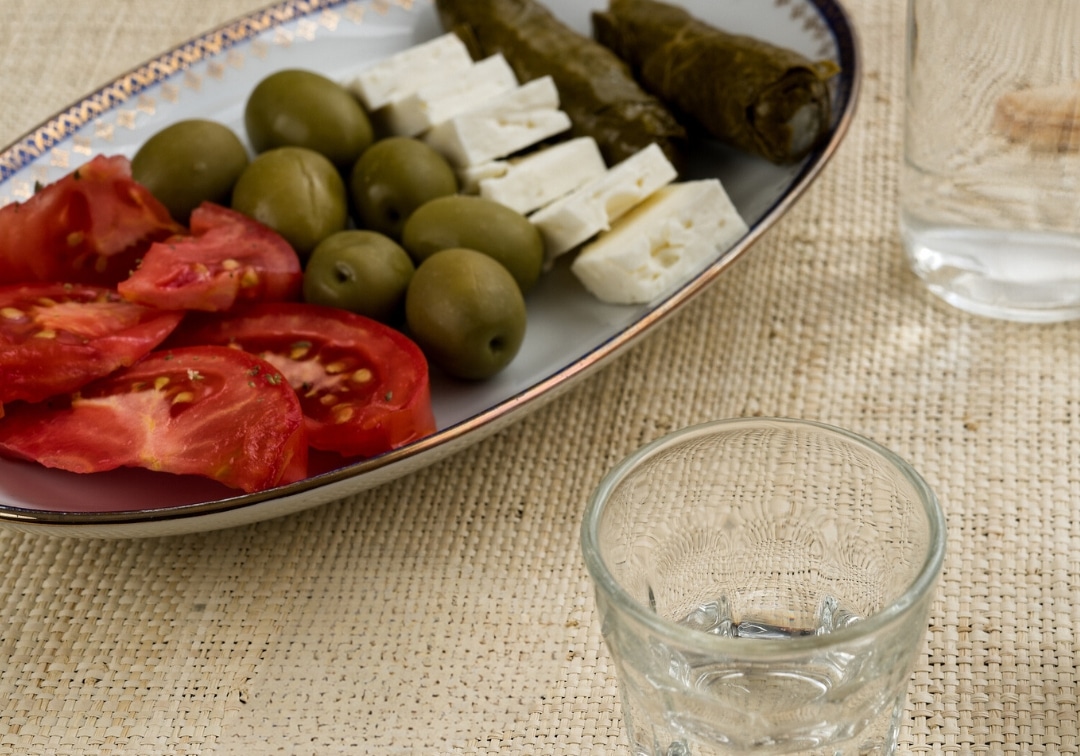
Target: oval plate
x=570, y=333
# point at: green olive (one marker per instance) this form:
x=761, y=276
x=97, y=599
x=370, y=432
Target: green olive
x=296, y=108
x=188, y=163
x=480, y=224
x=394, y=177
x=361, y=271
x=295, y=191
x=466, y=312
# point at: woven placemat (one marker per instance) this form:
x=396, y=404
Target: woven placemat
x=450, y=611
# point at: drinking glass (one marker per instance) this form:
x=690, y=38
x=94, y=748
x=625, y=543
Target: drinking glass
x=990, y=185
x=764, y=587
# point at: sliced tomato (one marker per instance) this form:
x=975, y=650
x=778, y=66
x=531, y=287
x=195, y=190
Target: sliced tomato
x=89, y=227
x=57, y=337
x=211, y=411
x=363, y=386
x=227, y=258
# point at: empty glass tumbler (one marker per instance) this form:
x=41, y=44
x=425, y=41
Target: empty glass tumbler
x=990, y=185
x=764, y=587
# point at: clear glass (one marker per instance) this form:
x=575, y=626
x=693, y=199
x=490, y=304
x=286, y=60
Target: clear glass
x=764, y=587
x=990, y=186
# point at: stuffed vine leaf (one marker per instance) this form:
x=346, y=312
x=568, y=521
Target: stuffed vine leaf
x=755, y=96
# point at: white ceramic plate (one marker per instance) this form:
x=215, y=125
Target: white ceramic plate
x=569, y=335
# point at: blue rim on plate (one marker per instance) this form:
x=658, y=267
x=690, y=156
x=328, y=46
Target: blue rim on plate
x=171, y=85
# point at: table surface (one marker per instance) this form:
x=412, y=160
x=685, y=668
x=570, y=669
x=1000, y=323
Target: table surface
x=450, y=611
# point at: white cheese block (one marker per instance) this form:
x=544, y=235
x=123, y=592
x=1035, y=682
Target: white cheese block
x=542, y=177
x=660, y=243
x=407, y=71
x=441, y=100
x=592, y=208
x=502, y=125
x=471, y=176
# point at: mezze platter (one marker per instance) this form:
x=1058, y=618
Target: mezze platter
x=570, y=333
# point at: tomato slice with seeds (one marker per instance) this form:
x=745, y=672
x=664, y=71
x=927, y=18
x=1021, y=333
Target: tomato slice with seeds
x=227, y=258
x=363, y=386
x=89, y=227
x=57, y=337
x=211, y=411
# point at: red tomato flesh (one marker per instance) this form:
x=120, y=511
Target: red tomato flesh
x=89, y=227
x=363, y=386
x=55, y=338
x=211, y=411
x=228, y=258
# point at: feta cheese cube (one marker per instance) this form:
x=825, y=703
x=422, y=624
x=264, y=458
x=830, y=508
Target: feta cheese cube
x=661, y=243
x=445, y=98
x=592, y=208
x=544, y=176
x=407, y=71
x=501, y=126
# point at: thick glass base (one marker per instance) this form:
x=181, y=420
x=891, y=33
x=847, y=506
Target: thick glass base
x=655, y=732
x=1025, y=276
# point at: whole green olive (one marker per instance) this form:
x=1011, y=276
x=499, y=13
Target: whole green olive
x=188, y=163
x=481, y=224
x=361, y=271
x=295, y=191
x=466, y=312
x=297, y=108
x=395, y=176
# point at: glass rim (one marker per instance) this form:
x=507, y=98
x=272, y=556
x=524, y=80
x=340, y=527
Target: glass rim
x=603, y=580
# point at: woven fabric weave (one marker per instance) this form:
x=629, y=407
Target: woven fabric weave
x=450, y=612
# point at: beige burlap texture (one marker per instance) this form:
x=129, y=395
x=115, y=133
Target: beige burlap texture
x=449, y=612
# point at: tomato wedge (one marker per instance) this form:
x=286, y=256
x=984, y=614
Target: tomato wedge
x=211, y=411
x=89, y=227
x=227, y=258
x=363, y=386
x=57, y=337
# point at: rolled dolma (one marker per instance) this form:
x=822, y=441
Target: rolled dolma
x=755, y=96
x=596, y=89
